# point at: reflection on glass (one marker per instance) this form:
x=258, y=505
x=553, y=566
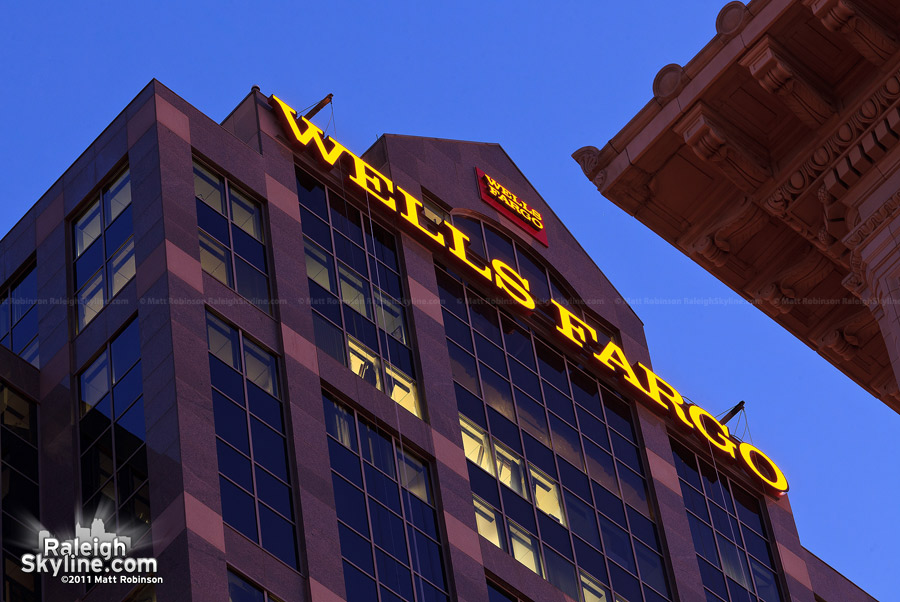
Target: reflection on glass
x=511, y=470
x=121, y=268
x=365, y=363
x=87, y=229
x=246, y=214
x=593, y=590
x=223, y=341
x=261, y=368
x=476, y=444
x=319, y=266
x=215, y=260
x=402, y=389
x=414, y=476
x=389, y=315
x=354, y=291
x=208, y=188
x=525, y=548
x=117, y=197
x=489, y=527
x=94, y=383
x=546, y=495
x=90, y=300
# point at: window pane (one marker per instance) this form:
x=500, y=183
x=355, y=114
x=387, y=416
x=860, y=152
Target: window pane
x=88, y=228
x=231, y=422
x=535, y=275
x=121, y=268
x=499, y=246
x=339, y=423
x=118, y=232
x=261, y=368
x=524, y=548
x=561, y=573
x=25, y=331
x=94, y=383
x=472, y=229
x=402, y=390
x=583, y=520
x=617, y=544
x=240, y=590
x=208, y=188
x=463, y=368
x=546, y=495
x=238, y=508
x=277, y=536
x=511, y=470
x=389, y=316
x=414, y=476
x=234, y=465
x=312, y=194
x=252, y=284
x=329, y=338
x=249, y=248
x=476, y=444
x=24, y=295
x=489, y=525
x=131, y=431
x=246, y=214
x=365, y=363
x=215, y=259
x=269, y=448
x=90, y=300
x=355, y=291
x=360, y=588
x=319, y=266
x=223, y=341
x=593, y=590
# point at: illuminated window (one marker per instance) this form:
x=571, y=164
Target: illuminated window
x=733, y=545
x=355, y=288
x=112, y=436
x=546, y=495
x=511, y=470
x=489, y=524
x=19, y=317
x=554, y=466
x=251, y=446
x=387, y=519
x=525, y=548
x=103, y=236
x=21, y=498
x=476, y=445
x=232, y=238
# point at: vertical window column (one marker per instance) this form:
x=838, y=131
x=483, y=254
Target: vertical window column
x=734, y=549
x=355, y=289
x=254, y=475
x=19, y=317
x=112, y=436
x=232, y=238
x=386, y=514
x=104, y=248
x=20, y=501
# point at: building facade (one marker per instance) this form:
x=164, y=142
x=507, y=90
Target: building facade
x=289, y=372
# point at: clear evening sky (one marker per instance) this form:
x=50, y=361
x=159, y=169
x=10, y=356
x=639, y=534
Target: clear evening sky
x=541, y=82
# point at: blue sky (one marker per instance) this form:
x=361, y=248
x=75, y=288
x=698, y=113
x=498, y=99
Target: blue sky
x=542, y=82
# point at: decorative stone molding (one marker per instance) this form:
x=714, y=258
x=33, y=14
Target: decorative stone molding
x=839, y=342
x=715, y=140
x=734, y=229
x=876, y=110
x=731, y=20
x=779, y=73
x=589, y=158
x=670, y=80
x=856, y=281
x=873, y=223
x=863, y=31
x=795, y=282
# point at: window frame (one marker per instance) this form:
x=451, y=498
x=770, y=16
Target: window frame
x=98, y=199
x=227, y=188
